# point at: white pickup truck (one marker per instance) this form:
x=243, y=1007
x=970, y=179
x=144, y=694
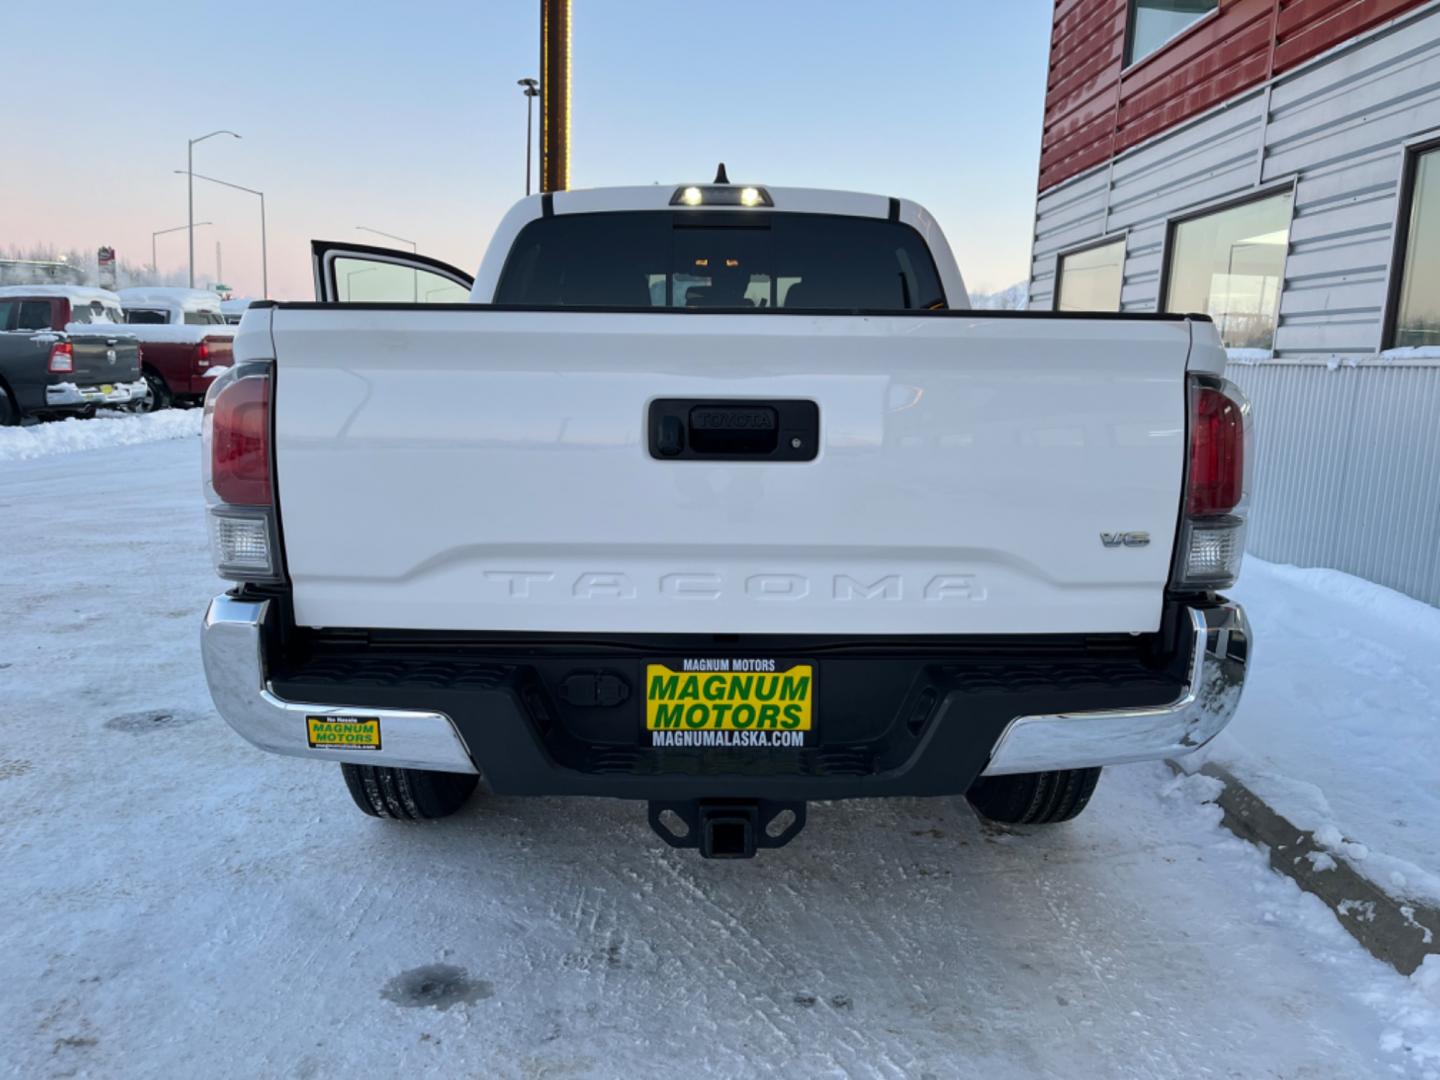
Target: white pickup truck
x=718, y=497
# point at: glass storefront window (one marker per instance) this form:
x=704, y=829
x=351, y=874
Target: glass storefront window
x=1417, y=314
x=1090, y=280
x=1230, y=265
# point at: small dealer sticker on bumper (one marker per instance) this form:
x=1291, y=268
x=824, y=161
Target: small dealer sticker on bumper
x=730, y=703
x=343, y=732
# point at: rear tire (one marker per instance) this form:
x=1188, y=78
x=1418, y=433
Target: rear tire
x=9, y=410
x=407, y=794
x=1042, y=798
x=160, y=397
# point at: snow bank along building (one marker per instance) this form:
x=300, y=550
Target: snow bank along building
x=1275, y=163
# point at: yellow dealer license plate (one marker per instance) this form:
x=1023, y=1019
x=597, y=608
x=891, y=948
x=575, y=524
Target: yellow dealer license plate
x=738, y=703
x=343, y=732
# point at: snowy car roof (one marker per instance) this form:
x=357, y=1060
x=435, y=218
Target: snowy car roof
x=81, y=293
x=185, y=299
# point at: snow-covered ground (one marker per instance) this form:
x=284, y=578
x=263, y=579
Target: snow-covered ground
x=179, y=904
x=109, y=430
x=1339, y=729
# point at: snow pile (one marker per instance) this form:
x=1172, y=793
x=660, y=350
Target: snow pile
x=1015, y=298
x=1413, y=1014
x=1408, y=1009
x=1249, y=356
x=68, y=436
x=1339, y=728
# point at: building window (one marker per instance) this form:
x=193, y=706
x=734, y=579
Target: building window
x=1229, y=264
x=1154, y=22
x=1090, y=280
x=1417, y=311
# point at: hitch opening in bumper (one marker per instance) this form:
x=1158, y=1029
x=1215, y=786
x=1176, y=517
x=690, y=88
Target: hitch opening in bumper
x=728, y=828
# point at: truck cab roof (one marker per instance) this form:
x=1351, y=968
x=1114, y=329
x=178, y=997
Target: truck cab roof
x=719, y=198
x=170, y=297
x=76, y=294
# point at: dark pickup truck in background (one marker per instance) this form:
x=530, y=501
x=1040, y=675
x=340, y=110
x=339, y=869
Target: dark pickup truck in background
x=65, y=350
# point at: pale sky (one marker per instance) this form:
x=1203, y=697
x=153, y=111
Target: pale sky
x=407, y=118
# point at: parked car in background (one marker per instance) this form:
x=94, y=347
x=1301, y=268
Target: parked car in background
x=234, y=310
x=186, y=340
x=65, y=350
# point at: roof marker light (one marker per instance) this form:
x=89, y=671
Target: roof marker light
x=720, y=195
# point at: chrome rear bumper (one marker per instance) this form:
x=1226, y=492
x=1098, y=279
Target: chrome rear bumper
x=1220, y=656
x=232, y=645
x=233, y=650
x=59, y=395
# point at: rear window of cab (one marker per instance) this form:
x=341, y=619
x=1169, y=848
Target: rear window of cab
x=735, y=261
x=95, y=311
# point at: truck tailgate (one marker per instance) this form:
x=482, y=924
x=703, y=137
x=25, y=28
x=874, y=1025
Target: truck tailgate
x=483, y=469
x=101, y=357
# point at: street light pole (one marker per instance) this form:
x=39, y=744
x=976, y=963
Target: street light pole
x=154, y=260
x=190, y=170
x=532, y=91
x=264, y=258
x=414, y=276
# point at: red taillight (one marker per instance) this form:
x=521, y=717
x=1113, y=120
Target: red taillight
x=1217, y=453
x=240, y=443
x=202, y=354
x=1211, y=540
x=62, y=357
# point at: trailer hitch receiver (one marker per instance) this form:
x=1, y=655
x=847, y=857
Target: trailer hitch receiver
x=727, y=828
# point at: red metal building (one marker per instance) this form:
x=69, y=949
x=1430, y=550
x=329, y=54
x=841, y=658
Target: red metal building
x=1096, y=105
x=1274, y=164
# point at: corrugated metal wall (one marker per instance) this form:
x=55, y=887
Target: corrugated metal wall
x=1349, y=458
x=1095, y=106
x=1347, y=470
x=1337, y=127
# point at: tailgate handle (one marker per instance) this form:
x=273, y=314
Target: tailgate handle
x=745, y=430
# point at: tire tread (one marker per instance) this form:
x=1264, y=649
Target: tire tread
x=1043, y=798
x=407, y=794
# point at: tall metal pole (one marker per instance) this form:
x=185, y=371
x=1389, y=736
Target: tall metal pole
x=555, y=98
x=190, y=186
x=190, y=203
x=264, y=257
x=532, y=91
